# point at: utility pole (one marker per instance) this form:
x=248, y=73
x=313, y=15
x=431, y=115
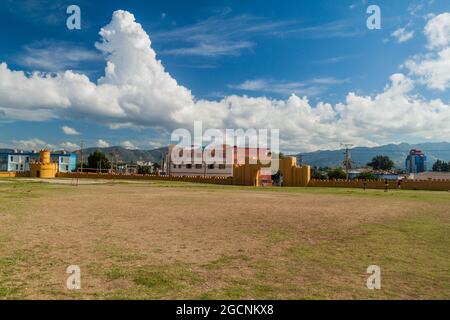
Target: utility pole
x=113, y=161
x=81, y=154
x=348, y=159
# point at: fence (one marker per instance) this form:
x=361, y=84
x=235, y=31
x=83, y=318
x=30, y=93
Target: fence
x=209, y=180
x=437, y=185
x=5, y=174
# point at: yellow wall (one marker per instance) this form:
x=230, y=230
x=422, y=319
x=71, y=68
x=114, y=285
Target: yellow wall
x=43, y=170
x=209, y=180
x=7, y=174
x=294, y=176
x=14, y=174
x=246, y=175
x=437, y=185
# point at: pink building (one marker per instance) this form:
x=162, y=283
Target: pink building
x=217, y=162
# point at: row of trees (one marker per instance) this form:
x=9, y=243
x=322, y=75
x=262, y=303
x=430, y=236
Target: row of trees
x=98, y=160
x=441, y=166
x=378, y=163
x=337, y=174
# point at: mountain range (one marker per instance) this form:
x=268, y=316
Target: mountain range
x=326, y=158
x=363, y=155
x=122, y=154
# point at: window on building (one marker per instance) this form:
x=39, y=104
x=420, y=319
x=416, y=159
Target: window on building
x=174, y=166
x=211, y=166
x=189, y=166
x=221, y=166
x=12, y=159
x=198, y=166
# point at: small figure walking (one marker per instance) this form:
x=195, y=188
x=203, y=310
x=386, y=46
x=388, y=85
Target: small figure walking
x=364, y=184
x=386, y=185
x=399, y=184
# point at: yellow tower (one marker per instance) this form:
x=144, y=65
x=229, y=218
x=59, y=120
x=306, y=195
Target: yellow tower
x=294, y=176
x=44, y=169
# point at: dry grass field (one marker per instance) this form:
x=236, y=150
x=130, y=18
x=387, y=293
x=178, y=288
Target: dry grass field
x=161, y=240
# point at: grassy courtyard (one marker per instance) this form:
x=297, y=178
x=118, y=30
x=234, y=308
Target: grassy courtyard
x=159, y=240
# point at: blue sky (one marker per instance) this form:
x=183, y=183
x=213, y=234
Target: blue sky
x=216, y=49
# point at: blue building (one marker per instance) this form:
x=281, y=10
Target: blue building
x=67, y=162
x=19, y=161
x=415, y=161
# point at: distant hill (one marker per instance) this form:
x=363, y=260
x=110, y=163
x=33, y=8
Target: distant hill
x=362, y=155
x=126, y=155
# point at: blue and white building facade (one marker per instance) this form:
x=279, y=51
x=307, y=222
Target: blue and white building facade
x=19, y=161
x=67, y=162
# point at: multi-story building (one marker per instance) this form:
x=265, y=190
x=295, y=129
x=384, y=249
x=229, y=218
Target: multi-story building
x=19, y=161
x=194, y=161
x=67, y=162
x=415, y=161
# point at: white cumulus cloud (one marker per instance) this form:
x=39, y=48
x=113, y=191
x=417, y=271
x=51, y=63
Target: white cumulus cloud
x=433, y=68
x=102, y=143
x=69, y=131
x=69, y=146
x=128, y=145
x=437, y=31
x=33, y=144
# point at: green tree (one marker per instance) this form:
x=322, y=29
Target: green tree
x=319, y=173
x=381, y=163
x=145, y=170
x=336, y=174
x=98, y=160
x=367, y=176
x=84, y=165
x=441, y=166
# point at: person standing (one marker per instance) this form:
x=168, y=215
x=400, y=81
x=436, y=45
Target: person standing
x=386, y=185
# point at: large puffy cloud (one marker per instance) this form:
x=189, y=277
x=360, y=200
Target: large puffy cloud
x=433, y=69
x=437, y=31
x=137, y=91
